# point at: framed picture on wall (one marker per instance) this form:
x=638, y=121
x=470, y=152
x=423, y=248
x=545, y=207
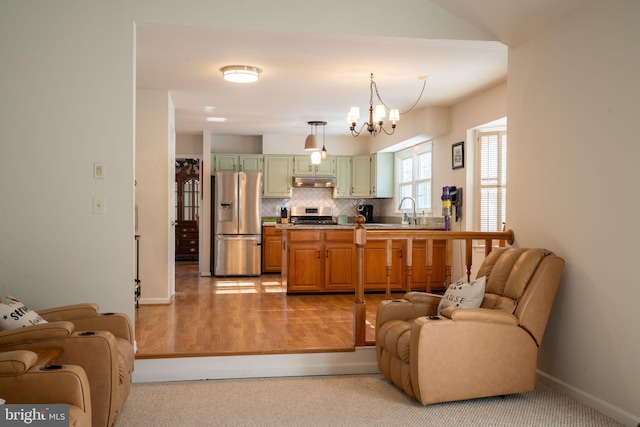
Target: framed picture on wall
x=457, y=155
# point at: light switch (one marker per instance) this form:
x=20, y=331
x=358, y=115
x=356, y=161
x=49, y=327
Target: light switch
x=99, y=205
x=98, y=170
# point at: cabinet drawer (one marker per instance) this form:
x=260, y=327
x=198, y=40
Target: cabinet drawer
x=271, y=231
x=188, y=242
x=184, y=236
x=339, y=236
x=305, y=236
x=189, y=250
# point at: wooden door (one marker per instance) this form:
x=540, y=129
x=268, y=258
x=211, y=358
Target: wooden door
x=305, y=267
x=271, y=250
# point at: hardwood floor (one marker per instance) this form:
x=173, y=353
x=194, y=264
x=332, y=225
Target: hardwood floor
x=248, y=315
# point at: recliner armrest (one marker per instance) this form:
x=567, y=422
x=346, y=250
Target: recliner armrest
x=33, y=333
x=86, y=317
x=69, y=312
x=16, y=362
x=414, y=304
x=485, y=315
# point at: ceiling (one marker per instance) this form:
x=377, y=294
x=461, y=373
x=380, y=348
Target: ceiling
x=309, y=76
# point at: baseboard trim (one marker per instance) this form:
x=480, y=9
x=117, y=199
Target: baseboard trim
x=589, y=400
x=361, y=361
x=154, y=301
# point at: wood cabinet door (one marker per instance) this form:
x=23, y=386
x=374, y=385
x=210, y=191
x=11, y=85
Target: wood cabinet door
x=339, y=267
x=419, y=261
x=271, y=250
x=375, y=265
x=305, y=267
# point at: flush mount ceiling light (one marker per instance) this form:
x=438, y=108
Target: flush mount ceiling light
x=376, y=116
x=311, y=143
x=240, y=73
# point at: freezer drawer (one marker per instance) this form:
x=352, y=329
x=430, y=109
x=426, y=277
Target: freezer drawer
x=237, y=255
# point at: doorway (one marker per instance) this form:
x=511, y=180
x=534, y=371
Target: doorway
x=187, y=192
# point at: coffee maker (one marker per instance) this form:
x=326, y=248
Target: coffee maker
x=367, y=212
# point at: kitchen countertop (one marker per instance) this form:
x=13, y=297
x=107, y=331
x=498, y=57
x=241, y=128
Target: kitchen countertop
x=352, y=225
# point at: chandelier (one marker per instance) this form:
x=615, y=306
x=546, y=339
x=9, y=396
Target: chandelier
x=377, y=115
x=311, y=143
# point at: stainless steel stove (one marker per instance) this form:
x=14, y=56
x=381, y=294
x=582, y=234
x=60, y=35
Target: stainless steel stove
x=312, y=216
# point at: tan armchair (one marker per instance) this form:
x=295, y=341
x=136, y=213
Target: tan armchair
x=23, y=381
x=101, y=344
x=472, y=352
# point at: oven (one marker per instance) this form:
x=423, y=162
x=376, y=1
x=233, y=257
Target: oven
x=312, y=216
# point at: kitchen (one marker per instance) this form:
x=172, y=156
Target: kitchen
x=316, y=207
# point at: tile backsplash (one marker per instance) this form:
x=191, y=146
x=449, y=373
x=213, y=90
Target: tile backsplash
x=321, y=197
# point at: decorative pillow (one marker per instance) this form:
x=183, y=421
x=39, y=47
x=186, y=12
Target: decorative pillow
x=463, y=294
x=14, y=314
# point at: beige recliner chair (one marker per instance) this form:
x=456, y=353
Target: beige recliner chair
x=100, y=343
x=24, y=381
x=472, y=352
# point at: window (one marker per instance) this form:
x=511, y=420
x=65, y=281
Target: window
x=413, y=179
x=492, y=169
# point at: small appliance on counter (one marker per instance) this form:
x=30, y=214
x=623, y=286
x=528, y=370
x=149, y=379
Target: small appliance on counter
x=367, y=212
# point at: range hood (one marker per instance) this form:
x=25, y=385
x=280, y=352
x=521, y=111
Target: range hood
x=313, y=182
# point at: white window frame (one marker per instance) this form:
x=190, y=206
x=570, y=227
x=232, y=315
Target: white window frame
x=414, y=153
x=491, y=176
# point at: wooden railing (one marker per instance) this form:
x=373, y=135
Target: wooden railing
x=409, y=235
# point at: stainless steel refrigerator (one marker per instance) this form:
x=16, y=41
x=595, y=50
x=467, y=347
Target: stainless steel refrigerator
x=237, y=224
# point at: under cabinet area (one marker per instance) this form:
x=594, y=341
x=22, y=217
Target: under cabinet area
x=324, y=260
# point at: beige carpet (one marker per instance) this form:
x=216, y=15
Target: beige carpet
x=347, y=400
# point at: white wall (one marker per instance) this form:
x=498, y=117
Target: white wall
x=574, y=104
x=67, y=90
x=154, y=196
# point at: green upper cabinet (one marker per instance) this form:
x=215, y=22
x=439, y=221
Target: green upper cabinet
x=302, y=167
x=276, y=180
x=251, y=162
x=382, y=175
x=372, y=176
x=361, y=176
x=343, y=177
x=238, y=163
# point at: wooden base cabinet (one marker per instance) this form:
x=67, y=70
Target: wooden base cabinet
x=325, y=261
x=321, y=261
x=187, y=237
x=271, y=250
x=419, y=269
x=375, y=266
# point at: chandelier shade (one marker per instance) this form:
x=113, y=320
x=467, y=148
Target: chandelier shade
x=311, y=143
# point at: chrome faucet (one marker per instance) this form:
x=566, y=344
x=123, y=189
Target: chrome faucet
x=415, y=217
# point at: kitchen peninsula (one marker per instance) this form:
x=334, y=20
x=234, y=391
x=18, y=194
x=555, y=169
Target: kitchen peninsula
x=322, y=259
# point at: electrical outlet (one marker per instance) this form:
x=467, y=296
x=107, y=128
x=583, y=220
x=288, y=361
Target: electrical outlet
x=99, y=205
